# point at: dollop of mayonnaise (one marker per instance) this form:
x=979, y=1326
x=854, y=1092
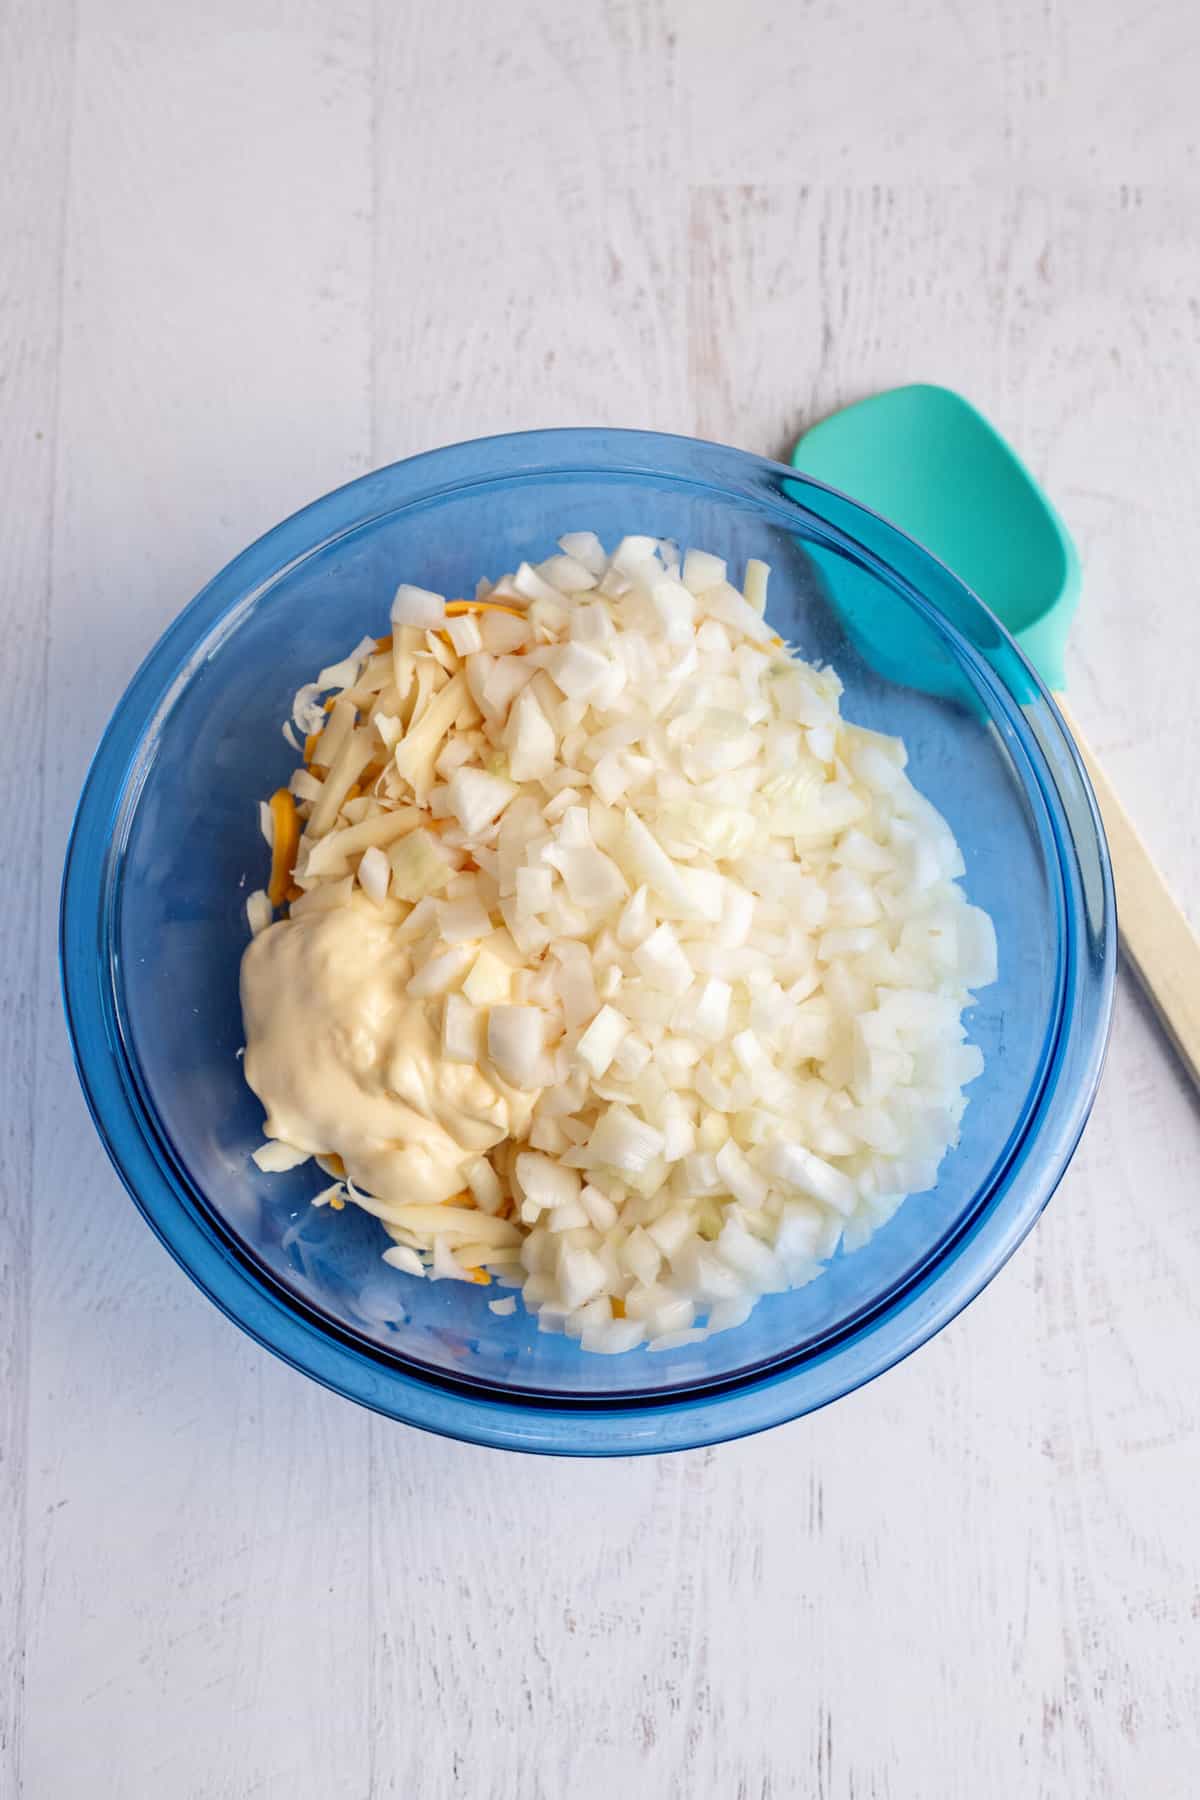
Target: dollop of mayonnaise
x=344, y=1062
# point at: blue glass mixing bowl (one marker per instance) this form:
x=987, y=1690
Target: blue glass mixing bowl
x=166, y=846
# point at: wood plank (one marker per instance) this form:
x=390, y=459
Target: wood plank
x=529, y=267
x=978, y=1570
x=931, y=94
x=1021, y=1533
x=35, y=88
x=196, y=1598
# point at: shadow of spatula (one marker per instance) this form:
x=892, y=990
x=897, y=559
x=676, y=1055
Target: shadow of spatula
x=925, y=459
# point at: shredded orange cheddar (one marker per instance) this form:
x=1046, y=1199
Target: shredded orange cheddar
x=383, y=643
x=337, y=1203
x=481, y=1278
x=287, y=841
x=618, y=1307
x=293, y=893
x=335, y=1162
x=456, y=608
x=310, y=744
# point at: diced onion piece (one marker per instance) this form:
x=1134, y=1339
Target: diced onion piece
x=593, y=879
x=675, y=610
x=614, y=1339
x=633, y=552
x=477, y=798
x=711, y=1013
x=622, y=1141
x=977, y=961
x=585, y=547
x=702, y=571
x=529, y=739
x=567, y=574
x=599, y=1208
x=274, y=1157
x=672, y=1231
x=515, y=1040
x=798, y=1168
x=631, y=1056
x=374, y=874
x=463, y=921
x=490, y=980
x=662, y=961
x=464, y=634
x=754, y=586
x=737, y=916
x=580, y=1276
x=419, y=866
x=643, y=857
x=599, y=1042
x=636, y=921
x=417, y=607
x=534, y=890
x=505, y=680
x=578, y=671
x=530, y=585
x=742, y=1181
x=723, y=602
x=462, y=1030
x=504, y=631
x=440, y=973
x=546, y=1182
x=484, y=1184
x=259, y=911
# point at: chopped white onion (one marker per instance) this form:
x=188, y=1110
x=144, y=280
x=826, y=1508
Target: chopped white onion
x=417, y=606
x=515, y=1038
x=721, y=1023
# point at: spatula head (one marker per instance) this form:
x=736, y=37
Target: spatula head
x=928, y=461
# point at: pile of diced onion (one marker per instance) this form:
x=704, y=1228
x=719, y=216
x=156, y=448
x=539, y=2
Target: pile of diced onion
x=647, y=872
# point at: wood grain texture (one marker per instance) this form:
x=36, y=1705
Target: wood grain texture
x=295, y=240
x=1157, y=942
x=192, y=1607
x=35, y=52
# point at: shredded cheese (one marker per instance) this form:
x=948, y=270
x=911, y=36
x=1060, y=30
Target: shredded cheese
x=286, y=842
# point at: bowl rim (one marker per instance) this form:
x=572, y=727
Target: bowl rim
x=965, y=1261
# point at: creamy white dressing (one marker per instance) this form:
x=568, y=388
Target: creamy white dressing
x=344, y=1062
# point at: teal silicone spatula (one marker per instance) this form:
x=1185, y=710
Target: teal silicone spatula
x=926, y=459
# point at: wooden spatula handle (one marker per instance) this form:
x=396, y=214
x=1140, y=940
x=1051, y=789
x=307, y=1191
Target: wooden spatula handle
x=1161, y=946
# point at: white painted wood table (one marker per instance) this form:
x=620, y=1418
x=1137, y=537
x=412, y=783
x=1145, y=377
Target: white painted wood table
x=249, y=248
